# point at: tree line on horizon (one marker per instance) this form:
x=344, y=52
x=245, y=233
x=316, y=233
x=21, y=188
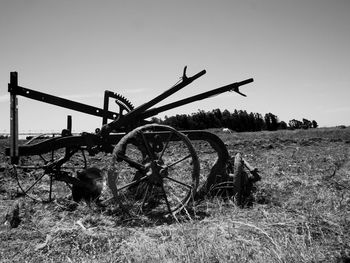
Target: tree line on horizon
x=239, y=120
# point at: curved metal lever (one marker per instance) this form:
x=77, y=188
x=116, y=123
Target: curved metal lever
x=184, y=76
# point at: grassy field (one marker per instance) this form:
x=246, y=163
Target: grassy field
x=301, y=213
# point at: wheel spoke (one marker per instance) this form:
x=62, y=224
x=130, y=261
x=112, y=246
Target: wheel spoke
x=69, y=186
x=37, y=181
x=131, y=162
x=42, y=158
x=132, y=183
x=84, y=158
x=35, y=167
x=150, y=153
x=179, y=161
x=68, y=167
x=52, y=156
x=166, y=199
x=176, y=181
x=166, y=145
x=144, y=196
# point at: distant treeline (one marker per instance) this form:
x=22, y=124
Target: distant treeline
x=238, y=120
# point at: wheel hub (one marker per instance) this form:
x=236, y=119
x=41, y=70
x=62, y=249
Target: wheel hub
x=156, y=172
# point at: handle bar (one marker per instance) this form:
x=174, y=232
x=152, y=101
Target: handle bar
x=214, y=92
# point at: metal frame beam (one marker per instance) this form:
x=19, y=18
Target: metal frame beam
x=61, y=102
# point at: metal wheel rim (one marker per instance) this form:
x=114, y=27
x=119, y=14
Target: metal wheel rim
x=113, y=174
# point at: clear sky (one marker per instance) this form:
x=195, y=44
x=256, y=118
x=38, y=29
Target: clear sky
x=298, y=53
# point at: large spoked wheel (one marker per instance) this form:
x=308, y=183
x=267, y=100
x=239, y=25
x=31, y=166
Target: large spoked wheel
x=154, y=170
x=38, y=176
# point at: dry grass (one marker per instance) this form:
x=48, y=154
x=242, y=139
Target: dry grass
x=301, y=213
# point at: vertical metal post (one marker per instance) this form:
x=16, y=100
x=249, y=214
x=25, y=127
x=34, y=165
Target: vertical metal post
x=105, y=107
x=13, y=118
x=69, y=128
x=69, y=123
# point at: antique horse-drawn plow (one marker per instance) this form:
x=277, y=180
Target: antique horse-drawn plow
x=153, y=168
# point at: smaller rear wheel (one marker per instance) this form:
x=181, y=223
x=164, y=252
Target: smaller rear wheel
x=38, y=177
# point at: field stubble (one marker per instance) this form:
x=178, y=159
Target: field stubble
x=301, y=212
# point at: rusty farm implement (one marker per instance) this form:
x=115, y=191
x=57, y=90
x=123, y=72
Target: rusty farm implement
x=152, y=167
